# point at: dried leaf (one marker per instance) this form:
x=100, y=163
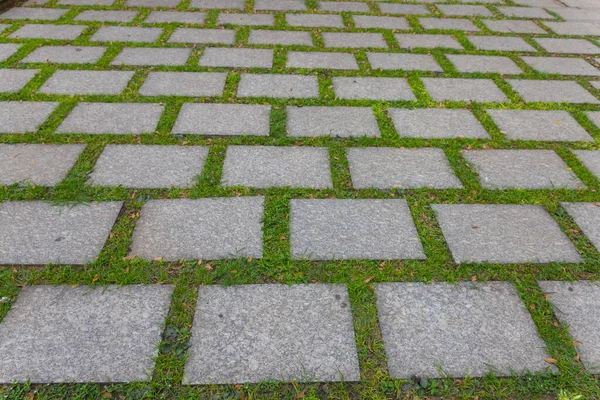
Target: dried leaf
x=369, y=279
x=95, y=278
x=551, y=360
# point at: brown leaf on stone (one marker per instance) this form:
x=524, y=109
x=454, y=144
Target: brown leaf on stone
x=551, y=360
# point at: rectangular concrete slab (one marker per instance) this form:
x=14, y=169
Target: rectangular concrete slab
x=590, y=159
x=24, y=116
x=552, y=91
x=278, y=86
x=412, y=41
x=44, y=14
x=405, y=9
x=331, y=121
x=236, y=58
x=457, y=10
x=512, y=26
x=315, y=20
x=209, y=229
x=114, y=118
x=201, y=36
x=449, y=24
x=459, y=89
x=65, y=55
x=587, y=216
x=153, y=3
x=368, y=21
x=126, y=34
x=181, y=17
x=486, y=64
x=353, y=40
x=525, y=12
x=223, y=119
x=47, y=31
x=574, y=28
x=501, y=43
x=562, y=66
x=403, y=61
x=7, y=50
x=320, y=59
x=283, y=38
x=370, y=88
x=13, y=80
x=245, y=19
x=568, y=46
x=87, y=82
x=150, y=56
x=218, y=4
x=342, y=6
x=279, y=5
x=106, y=16
x=195, y=84
x=431, y=123
x=81, y=3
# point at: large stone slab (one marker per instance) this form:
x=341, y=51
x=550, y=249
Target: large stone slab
x=7, y=50
x=194, y=84
x=153, y=3
x=245, y=19
x=403, y=61
x=115, y=118
x=591, y=160
x=562, y=66
x=331, y=121
x=223, y=119
x=48, y=31
x=369, y=21
x=334, y=229
x=253, y=333
x=279, y=5
x=459, y=89
x=24, y=116
x=320, y=59
x=525, y=12
x=315, y=20
x=283, y=38
x=487, y=64
x=210, y=228
x=370, y=88
x=35, y=232
x=412, y=41
x=587, y=216
x=452, y=24
x=65, y=55
x=568, y=46
x=150, y=56
x=501, y=43
x=406, y=9
x=44, y=14
x=457, y=330
x=341, y=6
x=512, y=26
x=87, y=82
x=106, y=16
x=13, y=80
x=464, y=10
x=81, y=3
x=181, y=17
x=552, y=91
x=430, y=123
x=236, y=58
x=574, y=28
x=278, y=86
x=218, y=4
x=126, y=34
x=83, y=334
x=353, y=40
x=203, y=36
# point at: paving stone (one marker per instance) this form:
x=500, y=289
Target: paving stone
x=4, y=27
x=552, y=91
x=35, y=2
x=428, y=41
x=386, y=168
x=461, y=10
x=218, y=4
x=273, y=166
x=457, y=330
x=13, y=80
x=151, y=56
x=591, y=160
x=488, y=64
x=223, y=119
x=334, y=229
x=36, y=232
x=201, y=36
x=458, y=24
x=236, y=58
x=246, y=19
x=280, y=5
x=568, y=46
x=37, y=164
x=573, y=14
x=176, y=16
x=581, y=3
x=137, y=166
x=562, y=66
x=194, y=84
x=368, y=21
x=209, y=229
x=546, y=125
x=331, y=121
x=403, y=61
x=86, y=2
x=24, y=116
x=509, y=26
x=87, y=82
x=126, y=34
x=315, y=20
x=341, y=6
x=353, y=40
x=458, y=89
x=574, y=28
x=371, y=88
x=278, y=86
x=501, y=43
x=48, y=31
x=152, y=3
x=286, y=38
x=116, y=118
x=433, y=123
x=87, y=334
x=525, y=12
x=65, y=55
x=47, y=14
x=538, y=3
x=503, y=234
x=106, y=16
x=587, y=216
x=595, y=84
x=253, y=333
x=319, y=59
x=406, y=9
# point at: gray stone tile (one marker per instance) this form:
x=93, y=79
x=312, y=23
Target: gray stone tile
x=552, y=91
x=194, y=84
x=151, y=56
x=574, y=14
x=591, y=160
x=568, y=46
x=546, y=125
x=4, y=27
x=562, y=66
x=371, y=88
x=587, y=216
x=320, y=59
x=24, y=116
x=253, y=333
x=286, y=38
x=209, y=229
x=246, y=19
x=201, y=36
x=277, y=166
x=13, y=80
x=488, y=64
x=87, y=82
x=433, y=123
x=48, y=31
x=278, y=86
x=510, y=26
x=65, y=55
x=341, y=6
x=176, y=16
x=236, y=58
x=458, y=24
x=223, y=119
x=87, y=334
x=406, y=9
x=37, y=164
x=595, y=84
x=315, y=20
x=126, y=34
x=538, y=3
x=457, y=330
x=525, y=12
x=86, y=2
x=412, y=41
x=462, y=10
x=138, y=166
x=106, y=16
x=458, y=89
x=218, y=4
x=353, y=40
x=331, y=121
x=386, y=168
x=501, y=43
x=116, y=118
x=334, y=229
x=44, y=14
x=35, y=2
x=280, y=5
x=369, y=21
x=35, y=232
x=403, y=61
x=574, y=28
x=152, y=3
x=503, y=234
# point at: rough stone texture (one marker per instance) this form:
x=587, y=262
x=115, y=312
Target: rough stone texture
x=202, y=36
x=286, y=38
x=153, y=3
x=13, y=80
x=458, y=24
x=150, y=56
x=331, y=121
x=35, y=232
x=106, y=16
x=195, y=84
x=7, y=50
x=273, y=166
x=371, y=88
x=566, y=46
x=503, y=234
x=3, y=27
x=86, y=334
x=521, y=169
x=278, y=86
x=430, y=123
x=280, y=5
x=80, y=3
x=552, y=91
x=591, y=160
x=406, y=9
x=574, y=28
x=457, y=330
x=209, y=229
x=139, y=166
x=501, y=43
x=223, y=119
x=87, y=82
x=334, y=229
x=461, y=10
x=44, y=14
x=43, y=31
x=237, y=58
x=246, y=19
x=403, y=61
x=218, y=4
x=458, y=89
x=551, y=125
x=37, y=164
x=577, y=304
x=340, y=6
x=411, y=41
x=315, y=20
x=368, y=21
x=562, y=66
x=538, y=3
x=319, y=59
x=116, y=118
x=587, y=216
x=509, y=26
x=176, y=16
x=595, y=84
x=491, y=64
x=525, y=12
x=126, y=34
x=24, y=116
x=353, y=40
x=253, y=333
x=65, y=55
x=386, y=168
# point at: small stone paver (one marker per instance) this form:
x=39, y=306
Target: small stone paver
x=223, y=119
x=341, y=229
x=44, y=14
x=48, y=31
x=218, y=4
x=341, y=6
x=138, y=166
x=151, y=56
x=538, y=3
x=405, y=9
x=591, y=160
x=371, y=88
x=488, y=64
x=525, y=12
x=81, y=3
x=587, y=217
x=387, y=168
x=354, y=40
x=331, y=121
x=503, y=234
x=285, y=38
x=369, y=21
x=236, y=58
x=512, y=26
x=546, y=125
x=194, y=84
x=568, y=46
x=209, y=229
x=253, y=333
x=552, y=91
x=562, y=65
x=37, y=164
x=7, y=50
x=24, y=116
x=115, y=118
x=501, y=43
x=153, y=3
x=279, y=5
x=13, y=80
x=106, y=16
x=430, y=123
x=202, y=36
x=574, y=28
x=595, y=84
x=457, y=329
x=65, y=55
x=464, y=10
x=577, y=304
x=87, y=334
x=403, y=61
x=459, y=89
x=458, y=24
x=315, y=20
x=320, y=59
x=36, y=232
x=126, y=34
x=87, y=82
x=278, y=86
x=277, y=166
x=246, y=19
x=411, y=41
x=196, y=18
x=573, y=14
